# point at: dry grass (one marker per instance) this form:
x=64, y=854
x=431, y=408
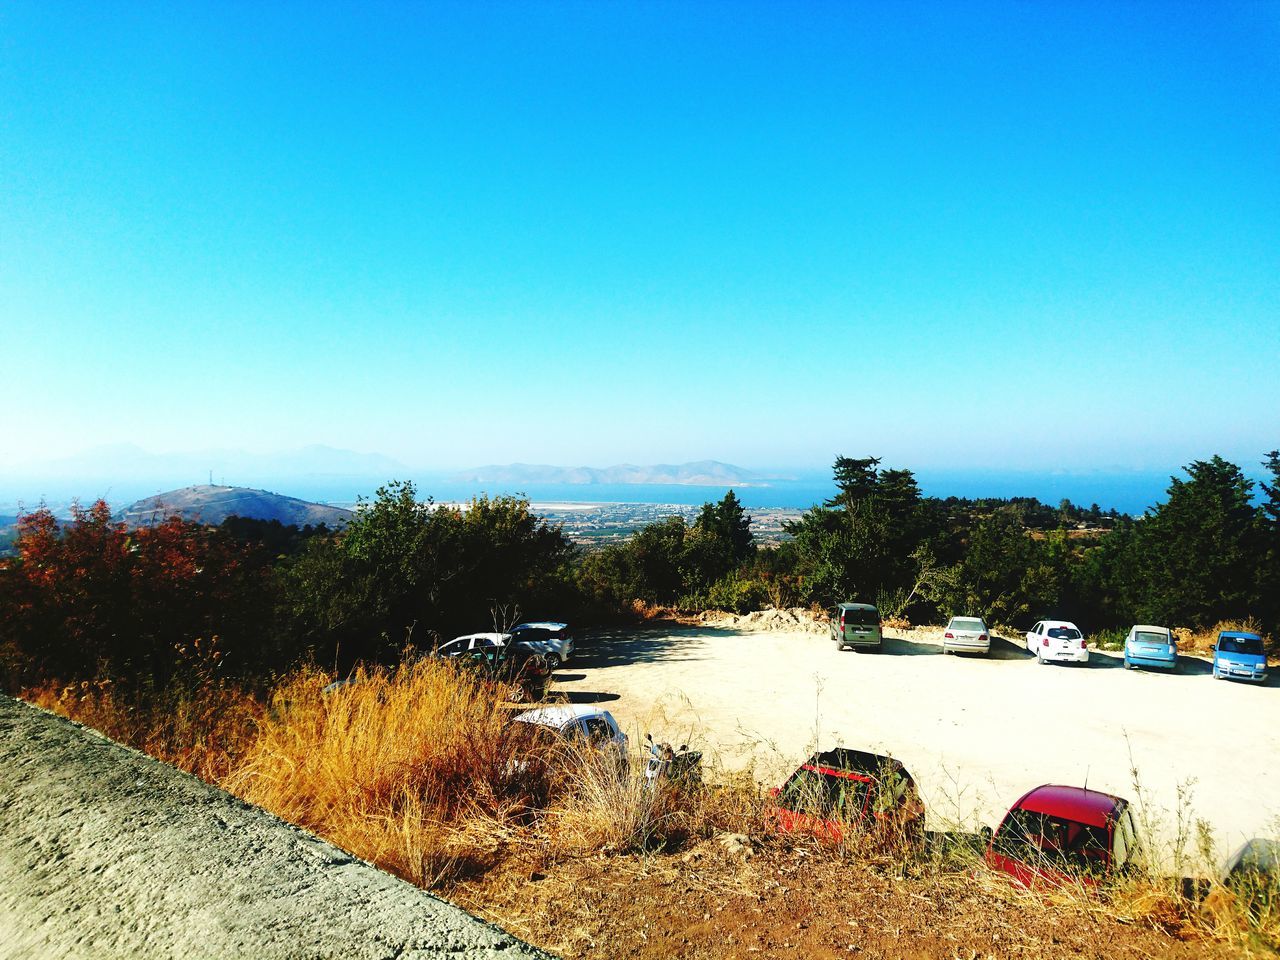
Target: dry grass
x=204, y=730
x=416, y=768
x=1202, y=641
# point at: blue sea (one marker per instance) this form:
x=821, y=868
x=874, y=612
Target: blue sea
x=1128, y=492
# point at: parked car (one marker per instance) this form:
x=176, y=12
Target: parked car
x=1056, y=834
x=547, y=637
x=579, y=721
x=966, y=635
x=1238, y=656
x=1057, y=640
x=472, y=643
x=1148, y=646
x=526, y=676
x=1253, y=871
x=840, y=791
x=856, y=625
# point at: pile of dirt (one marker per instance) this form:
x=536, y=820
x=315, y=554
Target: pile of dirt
x=790, y=620
x=762, y=901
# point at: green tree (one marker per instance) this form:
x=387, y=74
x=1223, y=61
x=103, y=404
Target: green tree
x=1193, y=560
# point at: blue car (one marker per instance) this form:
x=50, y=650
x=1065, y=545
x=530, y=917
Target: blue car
x=1148, y=646
x=1239, y=656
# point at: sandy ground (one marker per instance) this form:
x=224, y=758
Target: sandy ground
x=976, y=732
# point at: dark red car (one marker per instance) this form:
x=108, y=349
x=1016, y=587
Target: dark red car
x=841, y=791
x=1057, y=834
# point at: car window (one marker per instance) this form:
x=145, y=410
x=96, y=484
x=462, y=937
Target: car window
x=598, y=729
x=1036, y=628
x=967, y=623
x=1033, y=838
x=860, y=618
x=1126, y=840
x=826, y=795
x=1240, y=645
x=1148, y=636
x=1064, y=633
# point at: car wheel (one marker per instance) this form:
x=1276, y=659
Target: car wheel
x=1040, y=658
x=553, y=661
x=1127, y=664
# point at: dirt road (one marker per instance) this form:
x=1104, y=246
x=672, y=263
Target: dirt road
x=976, y=732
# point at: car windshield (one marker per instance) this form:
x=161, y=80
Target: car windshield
x=967, y=623
x=826, y=795
x=1040, y=839
x=1064, y=633
x=1146, y=636
x=860, y=618
x=1241, y=645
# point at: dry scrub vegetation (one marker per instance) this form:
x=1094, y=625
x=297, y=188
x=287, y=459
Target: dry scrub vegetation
x=418, y=769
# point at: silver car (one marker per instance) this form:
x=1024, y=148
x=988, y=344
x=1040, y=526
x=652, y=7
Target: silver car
x=966, y=635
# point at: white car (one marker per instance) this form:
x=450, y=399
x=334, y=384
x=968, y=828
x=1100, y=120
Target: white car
x=473, y=642
x=966, y=635
x=547, y=637
x=1058, y=640
x=579, y=721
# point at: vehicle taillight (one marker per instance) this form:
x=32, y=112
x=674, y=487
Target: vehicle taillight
x=1083, y=645
x=948, y=636
x=982, y=638
x=1045, y=642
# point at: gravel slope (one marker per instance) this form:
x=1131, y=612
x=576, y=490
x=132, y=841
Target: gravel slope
x=105, y=852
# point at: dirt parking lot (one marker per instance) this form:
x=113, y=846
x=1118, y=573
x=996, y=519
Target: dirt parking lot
x=976, y=732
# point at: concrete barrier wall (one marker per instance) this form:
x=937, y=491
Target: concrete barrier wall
x=105, y=852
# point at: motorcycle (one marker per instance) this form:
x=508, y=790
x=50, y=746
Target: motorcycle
x=680, y=767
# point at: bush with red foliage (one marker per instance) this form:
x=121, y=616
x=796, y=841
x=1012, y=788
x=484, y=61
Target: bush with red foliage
x=93, y=597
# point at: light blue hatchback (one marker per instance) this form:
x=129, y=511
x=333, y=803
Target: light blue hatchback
x=1148, y=646
x=1239, y=656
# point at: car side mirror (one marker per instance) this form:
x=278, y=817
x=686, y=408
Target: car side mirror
x=649, y=737
x=684, y=746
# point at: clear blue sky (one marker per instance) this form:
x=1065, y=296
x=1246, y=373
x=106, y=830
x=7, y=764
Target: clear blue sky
x=1045, y=235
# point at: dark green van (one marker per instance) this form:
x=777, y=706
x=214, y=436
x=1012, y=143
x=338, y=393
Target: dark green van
x=856, y=625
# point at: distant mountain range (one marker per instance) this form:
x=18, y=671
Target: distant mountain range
x=213, y=504
x=702, y=473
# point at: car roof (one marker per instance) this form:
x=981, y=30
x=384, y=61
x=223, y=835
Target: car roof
x=1240, y=635
x=500, y=637
x=857, y=606
x=540, y=625
x=1148, y=628
x=561, y=714
x=1059, y=623
x=843, y=760
x=965, y=616
x=1073, y=803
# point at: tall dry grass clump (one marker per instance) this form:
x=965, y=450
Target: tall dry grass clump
x=201, y=728
x=415, y=768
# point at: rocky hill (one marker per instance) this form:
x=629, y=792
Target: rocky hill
x=212, y=504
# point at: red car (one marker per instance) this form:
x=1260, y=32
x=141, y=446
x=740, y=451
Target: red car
x=841, y=791
x=1057, y=834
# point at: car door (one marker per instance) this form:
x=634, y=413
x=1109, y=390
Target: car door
x=1033, y=638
